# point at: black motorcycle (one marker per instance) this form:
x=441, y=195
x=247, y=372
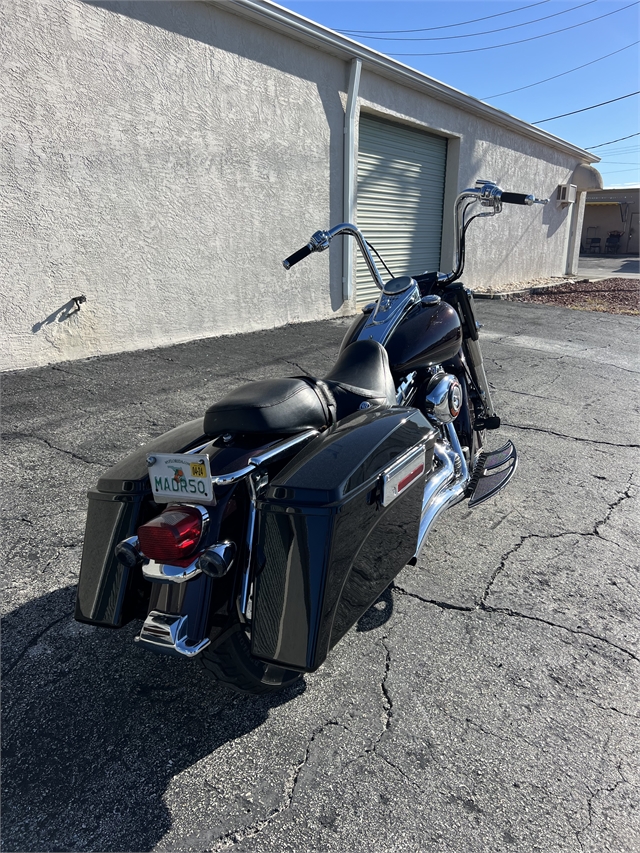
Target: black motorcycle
x=255, y=537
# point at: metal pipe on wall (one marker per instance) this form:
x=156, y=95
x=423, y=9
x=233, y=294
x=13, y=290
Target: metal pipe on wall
x=349, y=174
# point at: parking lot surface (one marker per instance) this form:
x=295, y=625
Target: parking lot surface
x=488, y=702
x=596, y=267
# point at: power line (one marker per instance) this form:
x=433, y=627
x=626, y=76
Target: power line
x=620, y=171
x=520, y=41
x=584, y=109
x=486, y=32
x=602, y=144
x=447, y=26
x=555, y=77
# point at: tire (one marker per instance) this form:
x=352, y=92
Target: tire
x=231, y=663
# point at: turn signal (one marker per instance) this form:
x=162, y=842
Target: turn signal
x=173, y=535
x=217, y=560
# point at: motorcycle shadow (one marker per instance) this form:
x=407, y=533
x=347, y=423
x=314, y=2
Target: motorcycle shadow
x=379, y=612
x=95, y=728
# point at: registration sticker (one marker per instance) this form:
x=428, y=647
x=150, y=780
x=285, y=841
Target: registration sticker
x=183, y=477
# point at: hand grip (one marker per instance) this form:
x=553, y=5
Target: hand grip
x=297, y=256
x=517, y=198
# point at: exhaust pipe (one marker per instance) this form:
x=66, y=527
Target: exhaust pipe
x=446, y=487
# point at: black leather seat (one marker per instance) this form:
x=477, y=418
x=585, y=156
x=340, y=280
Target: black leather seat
x=361, y=375
x=289, y=405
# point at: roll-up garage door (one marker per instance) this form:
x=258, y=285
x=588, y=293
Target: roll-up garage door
x=400, y=197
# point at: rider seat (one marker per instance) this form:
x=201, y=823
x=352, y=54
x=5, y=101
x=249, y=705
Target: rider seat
x=361, y=378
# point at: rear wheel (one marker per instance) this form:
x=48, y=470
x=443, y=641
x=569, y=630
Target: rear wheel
x=231, y=663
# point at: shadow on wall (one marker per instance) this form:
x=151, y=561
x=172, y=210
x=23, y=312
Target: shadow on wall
x=552, y=217
x=199, y=22
x=95, y=729
x=61, y=314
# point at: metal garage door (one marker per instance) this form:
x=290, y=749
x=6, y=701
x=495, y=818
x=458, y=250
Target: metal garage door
x=400, y=197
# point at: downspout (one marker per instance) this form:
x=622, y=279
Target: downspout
x=349, y=172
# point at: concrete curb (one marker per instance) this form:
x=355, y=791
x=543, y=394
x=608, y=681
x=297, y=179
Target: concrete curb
x=539, y=288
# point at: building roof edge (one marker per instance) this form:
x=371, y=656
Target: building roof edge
x=284, y=20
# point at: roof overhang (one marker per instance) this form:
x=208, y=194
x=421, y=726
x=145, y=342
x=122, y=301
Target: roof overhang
x=302, y=29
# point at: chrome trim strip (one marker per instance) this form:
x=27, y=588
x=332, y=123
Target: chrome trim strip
x=200, y=446
x=389, y=313
x=251, y=524
x=279, y=449
x=268, y=456
x=167, y=633
x=232, y=477
x=166, y=573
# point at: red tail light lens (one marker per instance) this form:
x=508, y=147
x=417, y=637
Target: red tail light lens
x=173, y=535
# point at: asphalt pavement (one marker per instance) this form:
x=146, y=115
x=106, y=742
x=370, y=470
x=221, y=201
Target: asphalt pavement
x=596, y=267
x=488, y=702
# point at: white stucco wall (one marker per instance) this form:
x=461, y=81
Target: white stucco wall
x=163, y=158
x=160, y=175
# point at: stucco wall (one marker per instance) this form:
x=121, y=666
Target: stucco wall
x=160, y=175
x=162, y=159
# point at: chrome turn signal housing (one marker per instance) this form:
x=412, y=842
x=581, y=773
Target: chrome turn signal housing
x=217, y=560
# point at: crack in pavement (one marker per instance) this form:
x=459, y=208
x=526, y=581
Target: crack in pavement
x=487, y=608
x=236, y=836
x=597, y=793
x=7, y=436
x=34, y=640
x=627, y=494
x=299, y=366
x=445, y=605
x=570, y=437
x=515, y=613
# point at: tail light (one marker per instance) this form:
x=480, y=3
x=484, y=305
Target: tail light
x=174, y=535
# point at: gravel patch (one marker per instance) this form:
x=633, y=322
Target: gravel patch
x=612, y=295
x=514, y=286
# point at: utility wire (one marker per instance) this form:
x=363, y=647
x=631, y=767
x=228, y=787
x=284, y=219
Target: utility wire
x=602, y=144
x=584, y=109
x=485, y=32
x=447, y=26
x=555, y=77
x=520, y=41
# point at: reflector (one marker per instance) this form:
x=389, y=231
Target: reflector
x=173, y=535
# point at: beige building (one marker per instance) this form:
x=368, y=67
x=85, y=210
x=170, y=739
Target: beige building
x=611, y=221
x=161, y=159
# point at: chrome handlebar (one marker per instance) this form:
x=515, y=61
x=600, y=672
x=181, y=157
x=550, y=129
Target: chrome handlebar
x=488, y=193
x=321, y=240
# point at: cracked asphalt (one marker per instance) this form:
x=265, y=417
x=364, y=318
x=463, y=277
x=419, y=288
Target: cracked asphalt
x=488, y=702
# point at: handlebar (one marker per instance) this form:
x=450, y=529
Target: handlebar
x=487, y=193
x=517, y=198
x=297, y=256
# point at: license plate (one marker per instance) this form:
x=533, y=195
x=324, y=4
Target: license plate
x=180, y=477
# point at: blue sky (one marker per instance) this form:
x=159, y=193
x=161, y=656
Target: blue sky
x=487, y=74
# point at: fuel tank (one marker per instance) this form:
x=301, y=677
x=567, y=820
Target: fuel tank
x=428, y=335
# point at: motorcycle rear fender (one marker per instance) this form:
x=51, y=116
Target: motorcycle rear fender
x=108, y=593
x=326, y=546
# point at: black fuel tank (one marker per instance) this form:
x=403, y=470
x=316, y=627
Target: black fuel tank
x=428, y=335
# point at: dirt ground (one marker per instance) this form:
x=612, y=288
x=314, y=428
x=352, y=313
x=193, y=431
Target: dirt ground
x=612, y=295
